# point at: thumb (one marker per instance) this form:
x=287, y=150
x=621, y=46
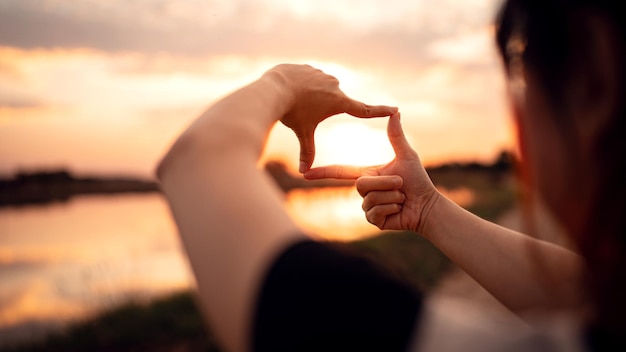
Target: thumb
x=307, y=150
x=400, y=145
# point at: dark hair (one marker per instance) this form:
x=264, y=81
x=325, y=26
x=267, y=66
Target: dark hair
x=549, y=28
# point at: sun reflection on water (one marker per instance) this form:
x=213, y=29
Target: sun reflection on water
x=330, y=213
x=336, y=213
x=65, y=260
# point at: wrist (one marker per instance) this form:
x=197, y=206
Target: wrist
x=433, y=200
x=279, y=85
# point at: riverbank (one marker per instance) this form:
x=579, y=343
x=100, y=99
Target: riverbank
x=41, y=187
x=59, y=186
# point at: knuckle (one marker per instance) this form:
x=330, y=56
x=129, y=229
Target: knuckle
x=371, y=218
x=367, y=110
x=339, y=172
x=361, y=186
x=366, y=205
x=375, y=212
x=398, y=196
x=307, y=153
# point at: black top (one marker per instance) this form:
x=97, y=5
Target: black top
x=316, y=297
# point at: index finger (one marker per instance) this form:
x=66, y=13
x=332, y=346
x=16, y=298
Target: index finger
x=337, y=171
x=367, y=184
x=359, y=109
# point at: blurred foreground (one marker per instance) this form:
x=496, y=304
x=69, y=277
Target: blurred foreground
x=174, y=323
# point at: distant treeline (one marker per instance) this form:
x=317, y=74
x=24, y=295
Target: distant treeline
x=52, y=186
x=475, y=175
x=504, y=162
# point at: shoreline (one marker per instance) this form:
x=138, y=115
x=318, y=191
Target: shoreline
x=59, y=186
x=43, y=187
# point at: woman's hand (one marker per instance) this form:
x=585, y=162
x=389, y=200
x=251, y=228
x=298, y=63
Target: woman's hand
x=396, y=196
x=314, y=96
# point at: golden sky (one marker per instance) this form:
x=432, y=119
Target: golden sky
x=104, y=86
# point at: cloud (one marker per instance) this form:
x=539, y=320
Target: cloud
x=113, y=70
x=370, y=32
x=15, y=97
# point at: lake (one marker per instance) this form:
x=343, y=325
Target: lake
x=63, y=261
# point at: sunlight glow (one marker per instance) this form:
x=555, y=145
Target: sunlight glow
x=352, y=143
x=330, y=213
x=349, y=79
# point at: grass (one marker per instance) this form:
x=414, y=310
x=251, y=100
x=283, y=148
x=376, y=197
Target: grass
x=167, y=324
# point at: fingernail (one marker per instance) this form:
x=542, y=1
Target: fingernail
x=303, y=167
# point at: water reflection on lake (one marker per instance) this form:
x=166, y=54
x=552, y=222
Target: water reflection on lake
x=67, y=259
x=64, y=260
x=335, y=213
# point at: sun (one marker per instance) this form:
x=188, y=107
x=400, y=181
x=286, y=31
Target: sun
x=351, y=143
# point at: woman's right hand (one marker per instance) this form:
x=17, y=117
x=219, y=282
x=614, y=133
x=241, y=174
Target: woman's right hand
x=396, y=196
x=312, y=97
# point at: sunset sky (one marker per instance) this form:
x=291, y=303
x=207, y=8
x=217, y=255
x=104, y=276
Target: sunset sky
x=104, y=86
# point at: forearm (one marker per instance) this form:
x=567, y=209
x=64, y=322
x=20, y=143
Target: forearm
x=229, y=213
x=524, y=273
x=229, y=244
x=240, y=120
